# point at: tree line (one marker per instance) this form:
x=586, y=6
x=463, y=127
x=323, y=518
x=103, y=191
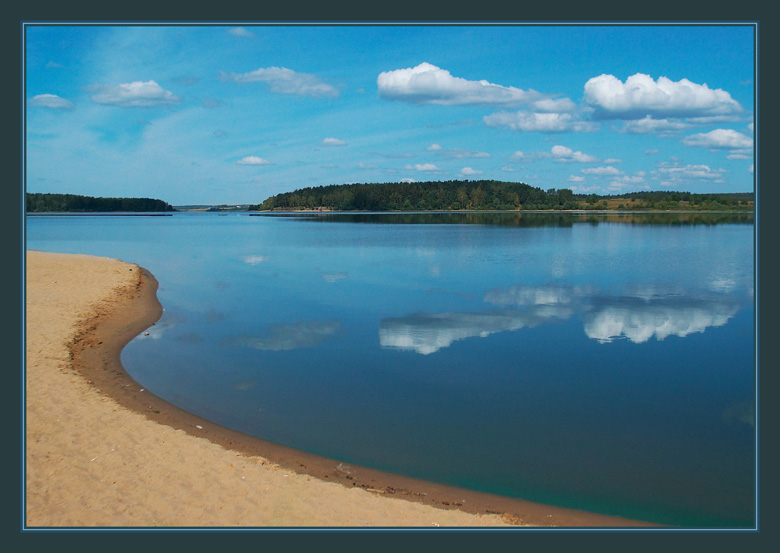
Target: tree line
x=46, y=203
x=486, y=195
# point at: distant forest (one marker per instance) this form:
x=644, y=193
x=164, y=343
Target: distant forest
x=46, y=203
x=488, y=195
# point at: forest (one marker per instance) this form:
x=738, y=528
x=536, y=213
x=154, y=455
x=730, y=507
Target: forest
x=488, y=195
x=54, y=203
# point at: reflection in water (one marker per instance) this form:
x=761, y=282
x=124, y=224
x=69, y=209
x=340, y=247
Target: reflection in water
x=303, y=334
x=638, y=316
x=334, y=277
x=254, y=259
x=534, y=295
x=427, y=333
x=744, y=412
x=518, y=219
x=639, y=319
x=156, y=331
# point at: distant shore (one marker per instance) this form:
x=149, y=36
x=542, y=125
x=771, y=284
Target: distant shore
x=102, y=451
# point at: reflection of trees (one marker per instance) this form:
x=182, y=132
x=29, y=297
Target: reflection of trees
x=516, y=219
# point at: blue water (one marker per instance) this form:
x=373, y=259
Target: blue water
x=604, y=364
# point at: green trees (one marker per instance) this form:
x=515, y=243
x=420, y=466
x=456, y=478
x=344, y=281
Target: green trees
x=488, y=195
x=45, y=203
x=422, y=196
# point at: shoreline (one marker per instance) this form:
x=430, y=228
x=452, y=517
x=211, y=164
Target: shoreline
x=94, y=354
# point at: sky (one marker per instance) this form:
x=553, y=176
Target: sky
x=233, y=114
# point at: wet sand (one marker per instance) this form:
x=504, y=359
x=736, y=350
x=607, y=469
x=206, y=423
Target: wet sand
x=103, y=452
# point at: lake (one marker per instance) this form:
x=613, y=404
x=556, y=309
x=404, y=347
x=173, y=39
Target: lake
x=598, y=362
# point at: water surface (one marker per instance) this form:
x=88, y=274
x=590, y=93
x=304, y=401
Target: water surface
x=603, y=363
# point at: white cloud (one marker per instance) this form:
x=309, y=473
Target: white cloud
x=719, y=139
x=609, y=170
x=428, y=84
x=538, y=122
x=508, y=169
x=423, y=167
x=456, y=153
x=649, y=125
x=553, y=105
x=562, y=153
x=640, y=96
x=50, y=101
x=651, y=151
x=281, y=80
x=332, y=142
x=672, y=175
x=518, y=156
x=467, y=171
x=240, y=31
x=750, y=169
x=407, y=180
x=576, y=178
x=135, y=94
x=253, y=160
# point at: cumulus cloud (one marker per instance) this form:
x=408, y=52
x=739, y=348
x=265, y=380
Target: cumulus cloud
x=333, y=142
x=562, y=153
x=719, y=139
x=281, y=80
x=468, y=171
x=576, y=178
x=608, y=170
x=134, y=94
x=553, y=105
x=433, y=148
x=648, y=125
x=519, y=156
x=51, y=101
x=641, y=96
x=253, y=160
x=673, y=175
x=423, y=167
x=538, y=122
x=428, y=84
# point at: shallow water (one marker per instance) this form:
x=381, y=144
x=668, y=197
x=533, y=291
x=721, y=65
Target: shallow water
x=604, y=363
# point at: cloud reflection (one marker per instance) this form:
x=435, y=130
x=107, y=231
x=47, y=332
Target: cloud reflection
x=641, y=319
x=427, y=333
x=638, y=316
x=280, y=337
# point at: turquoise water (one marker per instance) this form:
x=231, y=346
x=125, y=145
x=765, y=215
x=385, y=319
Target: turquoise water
x=600, y=363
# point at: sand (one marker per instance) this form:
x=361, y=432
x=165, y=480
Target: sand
x=103, y=452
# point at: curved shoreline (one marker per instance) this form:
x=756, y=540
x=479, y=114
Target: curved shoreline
x=95, y=355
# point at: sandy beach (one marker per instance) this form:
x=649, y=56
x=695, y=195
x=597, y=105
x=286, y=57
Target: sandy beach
x=103, y=452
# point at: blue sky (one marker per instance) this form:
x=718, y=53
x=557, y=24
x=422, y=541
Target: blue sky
x=234, y=114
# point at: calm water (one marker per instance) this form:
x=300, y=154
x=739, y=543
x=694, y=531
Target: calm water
x=604, y=364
